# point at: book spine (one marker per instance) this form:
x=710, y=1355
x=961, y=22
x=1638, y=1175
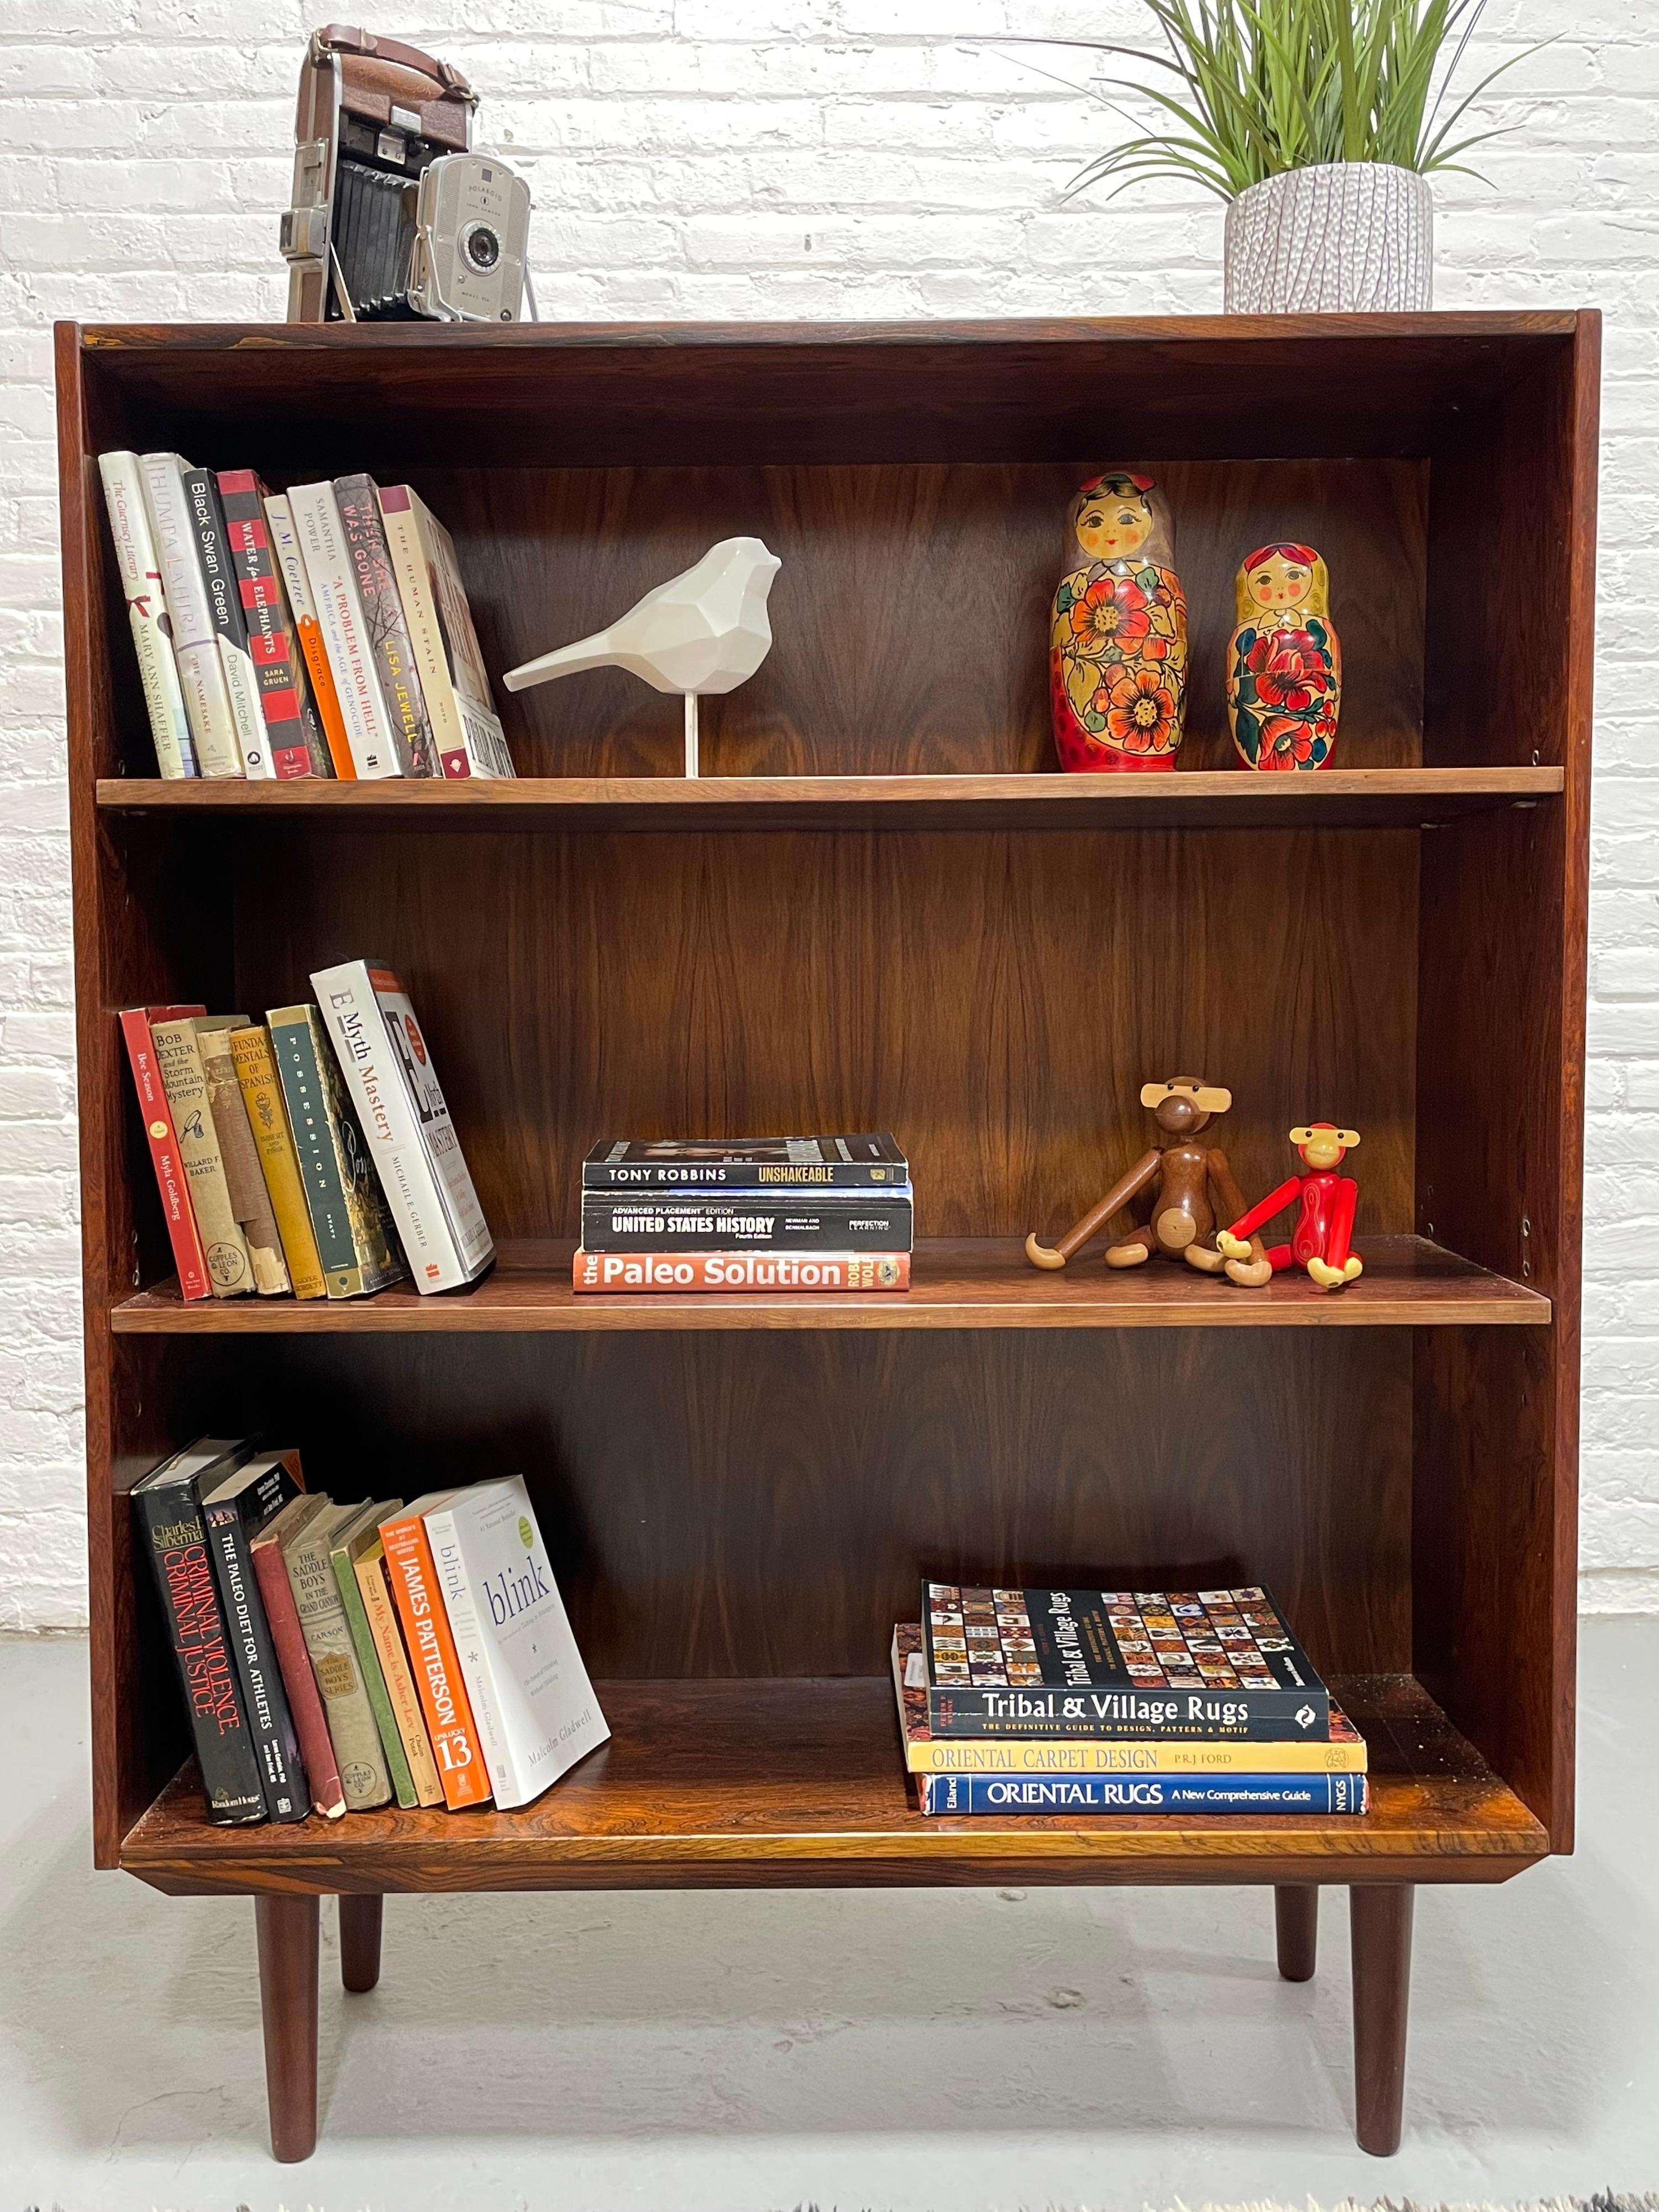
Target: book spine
x=382, y=1613
x=276, y=1744
x=249, y=1200
x=345, y=636
x=296, y=586
x=294, y=731
x=294, y=1662
x=426, y=639
x=229, y=625
x=1064, y=1794
x=741, y=1180
x=683, y=1272
x=433, y=1661
x=334, y=1174
x=170, y=1520
x=718, y=1222
x=1268, y=1715
x=369, y=1665
x=170, y=1175
x=261, y=1096
x=223, y=1243
x=385, y=628
x=195, y=646
x=1006, y=1757
x=449, y=1570
x=334, y=1662
x=147, y=615
x=396, y=1141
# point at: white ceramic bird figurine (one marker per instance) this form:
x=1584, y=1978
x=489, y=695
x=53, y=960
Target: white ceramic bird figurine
x=705, y=630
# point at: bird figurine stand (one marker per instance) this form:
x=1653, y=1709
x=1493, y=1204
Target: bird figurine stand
x=704, y=631
x=1190, y=1182
x=1284, y=663
x=1117, y=639
x=1319, y=1241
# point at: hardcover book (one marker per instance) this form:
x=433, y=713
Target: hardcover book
x=249, y=1200
x=179, y=1063
x=686, y=1271
x=306, y=1542
x=273, y=1140
x=533, y=1704
x=1062, y=1795
x=293, y=1662
x=296, y=589
x=293, y=729
x=387, y=1068
x=366, y=1519
x=926, y=1753
x=448, y=659
x=449, y=1726
x=167, y=1509
x=195, y=642
x=171, y=1177
x=139, y=568
x=236, y=1506
x=1115, y=1663
x=368, y=1554
x=333, y=591
x=229, y=622
x=384, y=626
x=745, y=1164
x=724, y=1221
x=355, y=1245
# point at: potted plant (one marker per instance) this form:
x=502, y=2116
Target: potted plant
x=1319, y=123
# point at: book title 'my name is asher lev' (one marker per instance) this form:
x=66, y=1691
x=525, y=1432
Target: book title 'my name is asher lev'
x=202, y=1649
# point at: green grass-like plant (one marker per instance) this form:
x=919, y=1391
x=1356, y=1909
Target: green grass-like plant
x=1270, y=85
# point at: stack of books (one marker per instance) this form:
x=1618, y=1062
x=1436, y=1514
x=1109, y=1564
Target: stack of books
x=337, y=1658
x=297, y=1155
x=754, y=1213
x=1118, y=1701
x=323, y=631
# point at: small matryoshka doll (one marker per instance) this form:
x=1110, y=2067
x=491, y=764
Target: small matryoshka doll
x=1285, y=664
x=1117, y=656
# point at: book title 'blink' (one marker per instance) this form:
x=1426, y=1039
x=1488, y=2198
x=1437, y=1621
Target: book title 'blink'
x=513, y=1594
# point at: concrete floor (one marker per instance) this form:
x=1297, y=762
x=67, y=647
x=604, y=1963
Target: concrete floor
x=750, y=2053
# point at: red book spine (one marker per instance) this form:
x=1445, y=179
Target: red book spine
x=660, y=1273
x=304, y=1703
x=187, y=1254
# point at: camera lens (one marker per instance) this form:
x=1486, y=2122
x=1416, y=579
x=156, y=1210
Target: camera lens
x=482, y=247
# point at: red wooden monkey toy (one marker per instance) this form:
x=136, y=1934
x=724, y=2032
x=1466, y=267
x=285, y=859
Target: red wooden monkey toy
x=1319, y=1241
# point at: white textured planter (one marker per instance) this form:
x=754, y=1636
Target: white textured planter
x=1346, y=237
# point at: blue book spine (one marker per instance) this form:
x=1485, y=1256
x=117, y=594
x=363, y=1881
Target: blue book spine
x=1065, y=1794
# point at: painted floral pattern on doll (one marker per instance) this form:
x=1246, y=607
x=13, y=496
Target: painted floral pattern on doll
x=1118, y=643
x=1285, y=664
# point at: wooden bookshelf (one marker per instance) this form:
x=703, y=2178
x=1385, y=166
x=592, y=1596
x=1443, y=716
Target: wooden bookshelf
x=882, y=907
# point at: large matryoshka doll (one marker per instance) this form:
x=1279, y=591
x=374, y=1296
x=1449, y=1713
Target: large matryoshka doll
x=1285, y=664
x=1117, y=656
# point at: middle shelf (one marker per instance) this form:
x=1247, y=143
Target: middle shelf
x=956, y=1283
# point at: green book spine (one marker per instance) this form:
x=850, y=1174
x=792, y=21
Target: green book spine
x=368, y=1659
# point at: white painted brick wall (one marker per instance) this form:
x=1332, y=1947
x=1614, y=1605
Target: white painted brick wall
x=778, y=158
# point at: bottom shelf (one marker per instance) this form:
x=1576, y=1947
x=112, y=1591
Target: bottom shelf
x=735, y=1785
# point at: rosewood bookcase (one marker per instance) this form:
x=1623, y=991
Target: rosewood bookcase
x=882, y=908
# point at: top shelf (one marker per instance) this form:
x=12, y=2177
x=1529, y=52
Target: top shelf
x=1201, y=799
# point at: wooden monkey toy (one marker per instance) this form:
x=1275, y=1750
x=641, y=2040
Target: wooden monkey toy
x=1185, y=1174
x=1319, y=1241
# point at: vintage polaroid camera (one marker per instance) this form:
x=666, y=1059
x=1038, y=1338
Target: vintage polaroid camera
x=394, y=218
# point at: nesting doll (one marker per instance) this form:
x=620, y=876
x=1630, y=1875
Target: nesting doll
x=1285, y=664
x=1117, y=656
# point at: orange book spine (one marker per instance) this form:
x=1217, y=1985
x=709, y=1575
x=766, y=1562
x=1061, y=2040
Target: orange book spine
x=434, y=1663
x=328, y=700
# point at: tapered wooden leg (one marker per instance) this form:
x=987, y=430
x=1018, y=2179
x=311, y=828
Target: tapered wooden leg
x=1380, y=1922
x=1296, y=1915
x=288, y=1998
x=360, y=1942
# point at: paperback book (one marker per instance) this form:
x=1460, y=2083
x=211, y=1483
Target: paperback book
x=448, y=659
x=293, y=729
x=195, y=642
x=1114, y=1663
x=355, y=1245
x=433, y=1661
x=770, y=1165
x=729, y=1220
x=740, y=1271
x=140, y=571
x=385, y=633
x=229, y=620
x=172, y=1178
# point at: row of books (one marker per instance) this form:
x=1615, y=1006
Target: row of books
x=322, y=631
x=772, y=1213
x=297, y=1155
x=336, y=1657
x=1118, y=1701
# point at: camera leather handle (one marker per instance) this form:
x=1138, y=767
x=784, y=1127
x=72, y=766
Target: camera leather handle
x=379, y=73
